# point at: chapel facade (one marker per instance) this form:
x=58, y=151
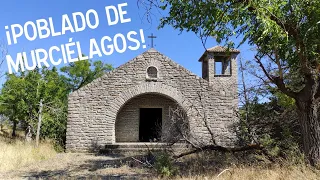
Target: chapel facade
x=133, y=103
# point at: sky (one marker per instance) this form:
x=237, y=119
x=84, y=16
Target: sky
x=184, y=48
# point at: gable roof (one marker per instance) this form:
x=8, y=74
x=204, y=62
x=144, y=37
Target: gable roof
x=155, y=53
x=149, y=53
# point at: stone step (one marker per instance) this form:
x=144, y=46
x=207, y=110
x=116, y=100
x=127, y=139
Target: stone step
x=146, y=145
x=136, y=150
x=143, y=147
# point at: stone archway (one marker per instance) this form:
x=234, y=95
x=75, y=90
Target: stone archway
x=145, y=118
x=145, y=88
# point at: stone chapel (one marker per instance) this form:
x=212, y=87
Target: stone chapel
x=132, y=102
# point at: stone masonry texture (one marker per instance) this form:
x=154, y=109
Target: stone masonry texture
x=106, y=111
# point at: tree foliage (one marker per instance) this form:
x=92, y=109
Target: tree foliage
x=22, y=93
x=285, y=36
x=81, y=73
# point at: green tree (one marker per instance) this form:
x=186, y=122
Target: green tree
x=39, y=97
x=55, y=110
x=12, y=105
x=22, y=93
x=50, y=104
x=286, y=37
x=80, y=73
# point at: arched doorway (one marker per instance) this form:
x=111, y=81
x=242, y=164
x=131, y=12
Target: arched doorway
x=145, y=118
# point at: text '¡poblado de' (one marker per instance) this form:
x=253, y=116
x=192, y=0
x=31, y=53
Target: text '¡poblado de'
x=71, y=51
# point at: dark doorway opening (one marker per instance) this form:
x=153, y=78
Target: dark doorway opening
x=150, y=124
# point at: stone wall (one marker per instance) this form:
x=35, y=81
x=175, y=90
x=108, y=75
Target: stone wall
x=93, y=109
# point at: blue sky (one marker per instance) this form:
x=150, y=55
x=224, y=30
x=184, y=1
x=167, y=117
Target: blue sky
x=185, y=48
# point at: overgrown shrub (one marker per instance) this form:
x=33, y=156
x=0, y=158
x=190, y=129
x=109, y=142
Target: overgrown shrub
x=164, y=164
x=273, y=125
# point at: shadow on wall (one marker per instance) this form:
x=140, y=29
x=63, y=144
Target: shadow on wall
x=95, y=147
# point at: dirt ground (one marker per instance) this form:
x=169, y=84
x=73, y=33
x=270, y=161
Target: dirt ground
x=79, y=166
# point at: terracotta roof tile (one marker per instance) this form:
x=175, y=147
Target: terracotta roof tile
x=219, y=49
x=222, y=49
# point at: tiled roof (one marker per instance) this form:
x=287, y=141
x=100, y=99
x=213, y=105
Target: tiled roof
x=219, y=49
x=222, y=49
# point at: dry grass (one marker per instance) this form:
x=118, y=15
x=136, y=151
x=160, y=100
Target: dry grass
x=67, y=165
x=225, y=166
x=257, y=173
x=17, y=153
x=20, y=159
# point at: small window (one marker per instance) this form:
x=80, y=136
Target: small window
x=217, y=68
x=222, y=67
x=152, y=72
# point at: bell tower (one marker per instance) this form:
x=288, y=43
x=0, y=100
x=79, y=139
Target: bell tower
x=219, y=68
x=219, y=62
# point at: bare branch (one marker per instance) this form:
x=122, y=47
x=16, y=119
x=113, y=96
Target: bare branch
x=3, y=53
x=278, y=81
x=221, y=149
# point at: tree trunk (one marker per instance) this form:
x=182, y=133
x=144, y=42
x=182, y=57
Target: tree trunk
x=39, y=123
x=14, y=129
x=310, y=129
x=28, y=135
